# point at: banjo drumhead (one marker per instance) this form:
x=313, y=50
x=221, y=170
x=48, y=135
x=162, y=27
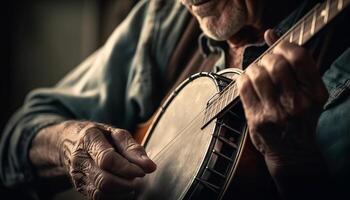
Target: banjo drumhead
x=177, y=144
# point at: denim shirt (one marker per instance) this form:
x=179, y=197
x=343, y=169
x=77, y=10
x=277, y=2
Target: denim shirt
x=118, y=85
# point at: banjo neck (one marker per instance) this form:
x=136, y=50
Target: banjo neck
x=303, y=31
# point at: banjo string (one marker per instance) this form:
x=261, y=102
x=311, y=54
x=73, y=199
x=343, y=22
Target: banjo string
x=190, y=127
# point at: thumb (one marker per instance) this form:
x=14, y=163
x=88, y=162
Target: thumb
x=131, y=150
x=270, y=37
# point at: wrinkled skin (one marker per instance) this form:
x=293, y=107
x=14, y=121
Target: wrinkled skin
x=101, y=168
x=103, y=162
x=283, y=96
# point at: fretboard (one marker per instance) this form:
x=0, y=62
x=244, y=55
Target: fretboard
x=300, y=33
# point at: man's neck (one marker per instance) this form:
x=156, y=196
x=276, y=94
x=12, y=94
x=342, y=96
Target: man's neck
x=262, y=16
x=247, y=35
x=268, y=16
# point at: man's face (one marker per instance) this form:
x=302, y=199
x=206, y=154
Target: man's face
x=219, y=19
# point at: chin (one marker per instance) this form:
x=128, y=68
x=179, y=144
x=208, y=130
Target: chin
x=224, y=27
x=219, y=32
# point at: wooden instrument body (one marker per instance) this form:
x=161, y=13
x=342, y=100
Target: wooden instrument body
x=203, y=163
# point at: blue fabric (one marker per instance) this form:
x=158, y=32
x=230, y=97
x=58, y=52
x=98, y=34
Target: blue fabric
x=333, y=132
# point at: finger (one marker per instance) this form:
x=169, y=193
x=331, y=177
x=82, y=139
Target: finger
x=270, y=37
x=300, y=60
x=305, y=70
x=248, y=96
x=110, y=184
x=283, y=77
x=262, y=85
x=105, y=156
x=131, y=150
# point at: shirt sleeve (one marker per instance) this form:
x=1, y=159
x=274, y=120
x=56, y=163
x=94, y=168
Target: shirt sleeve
x=96, y=90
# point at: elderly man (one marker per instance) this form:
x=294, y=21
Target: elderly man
x=67, y=133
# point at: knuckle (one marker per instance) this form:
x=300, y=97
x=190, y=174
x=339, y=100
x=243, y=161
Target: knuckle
x=259, y=142
x=79, y=181
x=243, y=84
x=255, y=73
x=90, y=133
x=122, y=134
x=80, y=160
x=277, y=68
x=96, y=195
x=88, y=137
x=255, y=77
x=103, y=158
x=266, y=124
x=288, y=101
x=92, y=193
x=127, y=140
x=298, y=56
x=133, y=146
x=75, y=160
x=101, y=182
x=272, y=116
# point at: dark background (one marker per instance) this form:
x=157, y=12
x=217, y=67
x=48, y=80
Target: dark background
x=42, y=40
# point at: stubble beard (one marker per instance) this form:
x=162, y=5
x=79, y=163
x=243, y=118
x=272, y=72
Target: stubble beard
x=223, y=27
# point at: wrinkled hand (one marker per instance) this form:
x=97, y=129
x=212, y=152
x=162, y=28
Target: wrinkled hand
x=283, y=97
x=103, y=162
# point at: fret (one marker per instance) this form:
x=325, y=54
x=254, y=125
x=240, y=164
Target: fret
x=333, y=9
x=209, y=113
x=313, y=25
x=223, y=99
x=208, y=118
x=228, y=100
x=340, y=5
x=319, y=19
x=216, y=107
x=291, y=37
x=229, y=95
x=301, y=36
x=296, y=31
x=325, y=12
x=221, y=102
x=307, y=28
x=233, y=91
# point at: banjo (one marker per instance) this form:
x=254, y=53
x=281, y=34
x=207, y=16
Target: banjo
x=199, y=138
